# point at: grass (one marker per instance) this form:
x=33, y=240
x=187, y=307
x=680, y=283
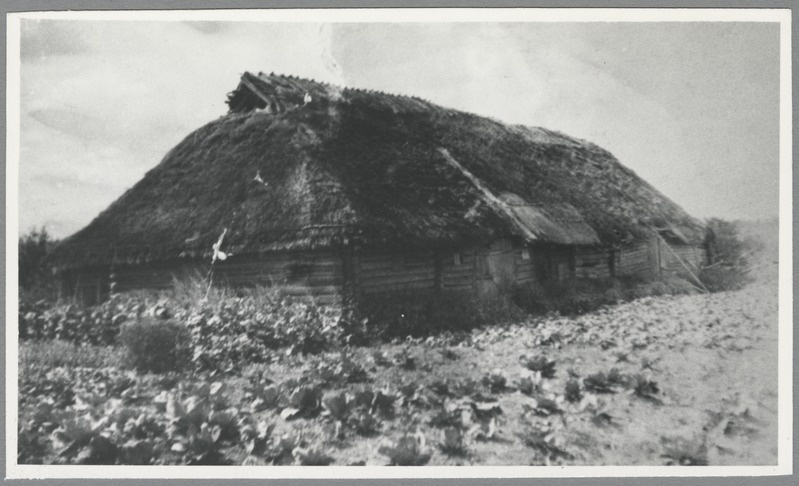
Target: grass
x=54, y=354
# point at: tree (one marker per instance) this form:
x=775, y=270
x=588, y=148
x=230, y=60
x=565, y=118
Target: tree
x=35, y=277
x=725, y=244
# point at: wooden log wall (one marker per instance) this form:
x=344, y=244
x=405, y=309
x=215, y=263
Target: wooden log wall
x=394, y=271
x=635, y=260
x=458, y=270
x=525, y=268
x=317, y=274
x=556, y=264
x=158, y=276
x=592, y=263
x=322, y=274
x=88, y=286
x=691, y=255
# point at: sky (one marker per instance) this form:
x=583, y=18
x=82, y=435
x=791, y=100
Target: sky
x=691, y=107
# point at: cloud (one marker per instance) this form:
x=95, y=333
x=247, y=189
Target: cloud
x=43, y=38
x=102, y=102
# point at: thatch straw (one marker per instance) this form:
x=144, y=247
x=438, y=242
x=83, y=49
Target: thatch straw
x=361, y=168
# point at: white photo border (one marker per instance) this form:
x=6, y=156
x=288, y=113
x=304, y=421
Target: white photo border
x=395, y=15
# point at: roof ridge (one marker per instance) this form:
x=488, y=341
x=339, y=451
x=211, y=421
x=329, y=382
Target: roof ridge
x=344, y=88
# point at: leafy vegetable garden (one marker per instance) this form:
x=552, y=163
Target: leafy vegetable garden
x=685, y=380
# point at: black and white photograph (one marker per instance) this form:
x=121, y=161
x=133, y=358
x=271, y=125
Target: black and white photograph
x=528, y=239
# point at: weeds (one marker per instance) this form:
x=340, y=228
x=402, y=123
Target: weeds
x=539, y=364
x=680, y=451
x=408, y=450
x=338, y=405
x=155, y=346
x=55, y=354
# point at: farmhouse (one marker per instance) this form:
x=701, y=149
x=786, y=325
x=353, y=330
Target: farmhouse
x=327, y=191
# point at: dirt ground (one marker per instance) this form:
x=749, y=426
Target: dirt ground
x=684, y=380
x=712, y=360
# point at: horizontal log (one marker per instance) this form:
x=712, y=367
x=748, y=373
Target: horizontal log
x=398, y=271
x=394, y=268
x=428, y=272
x=386, y=257
x=465, y=273
x=406, y=286
x=453, y=275
x=396, y=280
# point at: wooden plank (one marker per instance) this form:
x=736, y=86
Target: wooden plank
x=490, y=199
x=426, y=273
x=402, y=287
x=397, y=281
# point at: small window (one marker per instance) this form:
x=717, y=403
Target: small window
x=456, y=259
x=525, y=254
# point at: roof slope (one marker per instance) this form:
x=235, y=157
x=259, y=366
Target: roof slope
x=352, y=167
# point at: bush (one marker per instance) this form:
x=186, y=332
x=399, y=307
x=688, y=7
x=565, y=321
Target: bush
x=155, y=346
x=77, y=324
x=730, y=257
x=613, y=296
x=579, y=296
x=722, y=278
x=679, y=286
x=35, y=278
x=575, y=296
x=236, y=330
x=227, y=329
x=415, y=313
x=725, y=243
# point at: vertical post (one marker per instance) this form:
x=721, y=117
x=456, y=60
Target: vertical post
x=351, y=288
x=572, y=262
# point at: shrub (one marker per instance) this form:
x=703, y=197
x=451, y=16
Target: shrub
x=155, y=346
x=721, y=278
x=575, y=296
x=531, y=298
x=640, y=291
x=659, y=288
x=227, y=329
x=725, y=243
x=679, y=286
x=81, y=325
x=413, y=313
x=35, y=278
x=730, y=257
x=578, y=296
x=613, y=295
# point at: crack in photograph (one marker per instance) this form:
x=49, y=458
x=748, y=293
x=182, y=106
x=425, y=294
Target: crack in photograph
x=274, y=241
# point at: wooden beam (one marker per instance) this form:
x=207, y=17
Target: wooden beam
x=660, y=238
x=249, y=84
x=493, y=201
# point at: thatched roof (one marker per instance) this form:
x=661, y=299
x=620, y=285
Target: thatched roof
x=354, y=167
